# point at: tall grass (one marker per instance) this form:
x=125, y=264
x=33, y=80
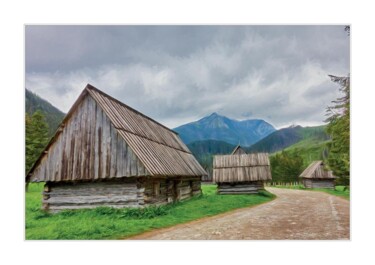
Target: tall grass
x=110, y=223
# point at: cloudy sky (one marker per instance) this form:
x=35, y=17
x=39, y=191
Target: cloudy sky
x=178, y=74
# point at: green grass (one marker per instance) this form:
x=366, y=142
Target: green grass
x=109, y=223
x=338, y=191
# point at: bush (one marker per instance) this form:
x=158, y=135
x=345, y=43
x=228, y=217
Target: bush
x=145, y=213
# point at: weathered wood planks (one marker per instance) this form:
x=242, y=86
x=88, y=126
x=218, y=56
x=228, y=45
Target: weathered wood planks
x=240, y=187
x=89, y=148
x=241, y=168
x=124, y=192
x=319, y=183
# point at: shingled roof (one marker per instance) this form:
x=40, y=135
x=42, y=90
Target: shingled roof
x=238, y=150
x=241, y=168
x=158, y=148
x=316, y=170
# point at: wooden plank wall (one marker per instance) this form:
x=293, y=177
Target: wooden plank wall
x=241, y=187
x=188, y=188
x=88, y=148
x=117, y=194
x=170, y=190
x=319, y=183
x=150, y=198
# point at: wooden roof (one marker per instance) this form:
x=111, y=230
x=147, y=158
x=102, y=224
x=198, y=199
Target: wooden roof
x=240, y=168
x=160, y=149
x=316, y=170
x=238, y=150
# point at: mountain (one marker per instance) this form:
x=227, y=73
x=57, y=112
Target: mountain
x=53, y=115
x=308, y=142
x=221, y=128
x=286, y=137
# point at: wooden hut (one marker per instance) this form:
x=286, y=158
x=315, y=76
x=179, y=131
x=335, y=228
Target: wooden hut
x=241, y=173
x=238, y=150
x=316, y=176
x=105, y=153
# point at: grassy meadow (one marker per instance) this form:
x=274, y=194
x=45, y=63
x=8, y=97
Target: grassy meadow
x=110, y=223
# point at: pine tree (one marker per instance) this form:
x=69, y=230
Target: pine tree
x=286, y=166
x=338, y=159
x=36, y=137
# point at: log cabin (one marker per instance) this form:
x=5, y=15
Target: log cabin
x=105, y=153
x=316, y=176
x=241, y=173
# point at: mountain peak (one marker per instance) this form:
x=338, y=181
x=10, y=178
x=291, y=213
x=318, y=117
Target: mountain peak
x=221, y=128
x=213, y=115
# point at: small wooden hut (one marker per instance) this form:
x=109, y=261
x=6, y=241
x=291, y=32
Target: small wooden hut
x=238, y=151
x=105, y=153
x=241, y=173
x=316, y=176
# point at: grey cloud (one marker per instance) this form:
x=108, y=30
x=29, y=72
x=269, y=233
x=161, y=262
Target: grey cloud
x=177, y=74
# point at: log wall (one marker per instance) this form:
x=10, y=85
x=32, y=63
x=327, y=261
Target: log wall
x=252, y=187
x=117, y=193
x=319, y=183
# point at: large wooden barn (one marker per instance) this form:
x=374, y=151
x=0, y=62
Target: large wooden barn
x=105, y=153
x=316, y=176
x=241, y=173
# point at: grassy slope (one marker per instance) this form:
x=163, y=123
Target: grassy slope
x=107, y=223
x=310, y=149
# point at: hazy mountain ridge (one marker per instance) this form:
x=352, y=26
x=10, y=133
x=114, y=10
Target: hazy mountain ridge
x=221, y=128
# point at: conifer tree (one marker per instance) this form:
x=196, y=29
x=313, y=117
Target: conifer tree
x=338, y=159
x=36, y=137
x=286, y=166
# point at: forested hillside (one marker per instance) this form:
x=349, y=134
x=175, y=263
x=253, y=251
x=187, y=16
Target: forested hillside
x=205, y=150
x=286, y=137
x=52, y=115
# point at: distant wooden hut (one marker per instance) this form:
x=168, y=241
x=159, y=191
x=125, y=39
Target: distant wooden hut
x=105, y=153
x=238, y=151
x=241, y=173
x=316, y=176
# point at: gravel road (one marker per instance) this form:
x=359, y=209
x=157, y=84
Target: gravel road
x=294, y=214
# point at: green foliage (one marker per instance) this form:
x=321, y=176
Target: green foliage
x=52, y=115
x=145, y=213
x=36, y=137
x=266, y=194
x=286, y=166
x=110, y=223
x=204, y=151
x=339, y=129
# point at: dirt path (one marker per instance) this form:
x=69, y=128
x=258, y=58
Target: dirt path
x=294, y=214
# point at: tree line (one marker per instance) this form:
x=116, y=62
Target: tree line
x=36, y=137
